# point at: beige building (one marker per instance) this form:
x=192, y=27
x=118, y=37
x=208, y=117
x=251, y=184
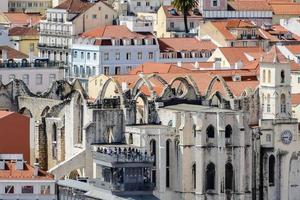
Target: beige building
x=67, y=20
x=38, y=6
x=170, y=22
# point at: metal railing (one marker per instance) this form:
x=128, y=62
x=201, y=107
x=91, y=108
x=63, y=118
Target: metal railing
x=122, y=187
x=123, y=158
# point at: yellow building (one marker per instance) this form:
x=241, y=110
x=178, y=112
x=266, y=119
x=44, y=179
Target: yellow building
x=25, y=40
x=170, y=22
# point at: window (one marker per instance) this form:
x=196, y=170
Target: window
x=228, y=131
x=268, y=103
x=118, y=56
x=140, y=55
x=45, y=189
x=210, y=176
x=11, y=77
x=117, y=70
x=210, y=131
x=172, y=25
x=269, y=76
x=130, y=139
x=271, y=170
x=95, y=56
x=106, y=16
x=150, y=55
x=194, y=131
x=147, y=3
x=168, y=144
x=106, y=70
x=94, y=16
x=9, y=189
x=264, y=76
x=94, y=71
x=128, y=56
x=25, y=78
x=194, y=175
x=39, y=79
x=129, y=68
x=214, y=3
x=75, y=54
x=106, y=56
x=282, y=76
x=27, y=189
x=263, y=102
x=268, y=138
x=52, y=78
x=299, y=79
x=82, y=55
x=191, y=24
x=88, y=56
x=138, y=3
x=282, y=103
x=54, y=141
x=229, y=176
x=153, y=154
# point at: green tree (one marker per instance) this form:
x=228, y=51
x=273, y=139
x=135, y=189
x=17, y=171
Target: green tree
x=184, y=6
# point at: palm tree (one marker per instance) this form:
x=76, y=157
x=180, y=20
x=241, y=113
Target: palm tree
x=185, y=6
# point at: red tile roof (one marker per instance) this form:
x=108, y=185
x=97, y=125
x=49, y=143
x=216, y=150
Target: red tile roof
x=27, y=173
x=111, y=31
x=185, y=44
x=235, y=54
x=75, y=6
x=5, y=113
x=274, y=55
x=22, y=19
x=295, y=49
x=276, y=31
x=12, y=53
x=23, y=31
x=286, y=8
x=177, y=14
x=255, y=5
x=295, y=99
x=149, y=68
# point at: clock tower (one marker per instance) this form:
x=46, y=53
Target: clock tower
x=279, y=140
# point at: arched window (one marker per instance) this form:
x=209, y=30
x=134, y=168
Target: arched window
x=269, y=76
x=282, y=76
x=282, y=103
x=268, y=103
x=194, y=130
x=78, y=120
x=54, y=141
x=263, y=102
x=54, y=133
x=271, y=170
x=168, y=144
x=130, y=139
x=264, y=76
x=210, y=131
x=194, y=175
x=228, y=131
x=210, y=176
x=229, y=176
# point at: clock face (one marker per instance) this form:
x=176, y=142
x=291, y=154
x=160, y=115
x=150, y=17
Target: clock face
x=286, y=137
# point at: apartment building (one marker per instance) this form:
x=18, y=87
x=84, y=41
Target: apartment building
x=38, y=6
x=67, y=20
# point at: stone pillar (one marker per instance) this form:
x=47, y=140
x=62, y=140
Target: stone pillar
x=200, y=173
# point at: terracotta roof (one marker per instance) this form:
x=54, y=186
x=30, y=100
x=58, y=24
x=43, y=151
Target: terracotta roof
x=295, y=49
x=286, y=9
x=235, y=54
x=225, y=26
x=27, y=173
x=23, y=31
x=295, y=66
x=112, y=31
x=171, y=12
x=276, y=31
x=22, y=19
x=274, y=55
x=149, y=68
x=75, y=6
x=12, y=53
x=185, y=44
x=295, y=99
x=255, y=5
x=5, y=113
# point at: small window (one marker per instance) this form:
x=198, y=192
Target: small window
x=228, y=131
x=106, y=16
x=299, y=79
x=172, y=25
x=282, y=76
x=39, y=79
x=128, y=56
x=88, y=56
x=118, y=56
x=215, y=3
x=147, y=3
x=106, y=70
x=25, y=78
x=268, y=137
x=45, y=189
x=12, y=77
x=106, y=56
x=95, y=56
x=150, y=55
x=9, y=189
x=117, y=70
x=28, y=189
x=138, y=3
x=52, y=78
x=75, y=54
x=210, y=131
x=82, y=55
x=191, y=24
x=140, y=55
x=271, y=170
x=129, y=68
x=94, y=16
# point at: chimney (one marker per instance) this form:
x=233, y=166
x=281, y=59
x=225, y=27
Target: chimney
x=36, y=168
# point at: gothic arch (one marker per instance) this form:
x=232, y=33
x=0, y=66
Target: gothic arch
x=141, y=109
x=45, y=111
x=224, y=84
x=140, y=82
x=26, y=111
x=190, y=88
x=105, y=86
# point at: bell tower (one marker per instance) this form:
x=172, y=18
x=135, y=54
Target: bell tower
x=275, y=86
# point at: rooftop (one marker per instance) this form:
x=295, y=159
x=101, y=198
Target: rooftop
x=12, y=53
x=235, y=54
x=255, y=5
x=160, y=68
x=284, y=8
x=196, y=108
x=20, y=19
x=171, y=12
x=274, y=55
x=185, y=44
x=23, y=31
x=75, y=6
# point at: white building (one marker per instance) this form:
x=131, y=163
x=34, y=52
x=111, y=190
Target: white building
x=111, y=50
x=67, y=20
x=292, y=24
x=136, y=6
x=19, y=180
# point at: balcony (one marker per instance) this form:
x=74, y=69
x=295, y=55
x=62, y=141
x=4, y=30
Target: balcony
x=248, y=37
x=52, y=46
x=55, y=32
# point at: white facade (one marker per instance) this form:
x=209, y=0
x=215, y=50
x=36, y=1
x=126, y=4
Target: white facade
x=135, y=6
x=4, y=6
x=4, y=38
x=137, y=24
x=292, y=24
x=38, y=79
x=42, y=189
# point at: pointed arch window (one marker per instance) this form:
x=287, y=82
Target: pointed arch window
x=153, y=153
x=54, y=141
x=264, y=76
x=210, y=131
x=283, y=103
x=282, y=76
x=269, y=76
x=210, y=176
x=271, y=170
x=194, y=176
x=229, y=176
x=168, y=145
